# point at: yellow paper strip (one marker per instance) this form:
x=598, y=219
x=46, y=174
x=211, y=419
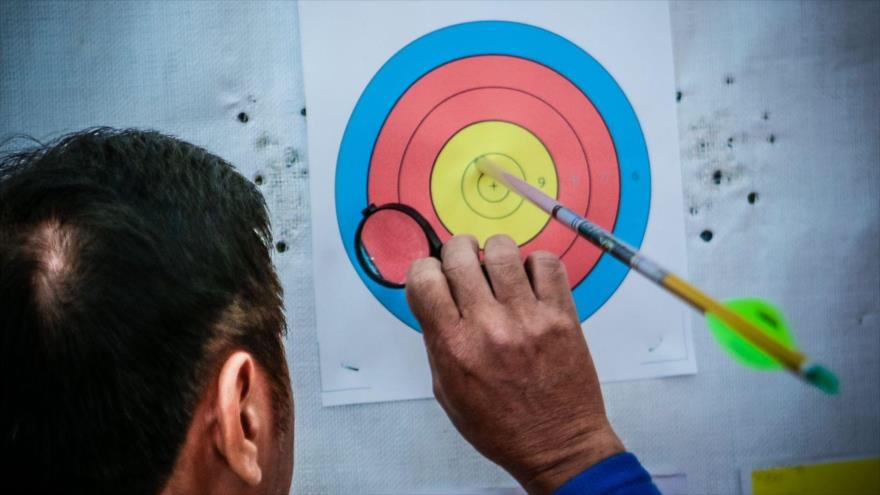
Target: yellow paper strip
x=845, y=477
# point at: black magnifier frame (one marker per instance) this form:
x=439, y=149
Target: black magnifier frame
x=434, y=244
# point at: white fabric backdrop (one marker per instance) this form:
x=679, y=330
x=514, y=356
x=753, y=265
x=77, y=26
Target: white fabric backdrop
x=781, y=98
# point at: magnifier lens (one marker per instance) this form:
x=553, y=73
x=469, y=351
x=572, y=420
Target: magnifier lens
x=390, y=241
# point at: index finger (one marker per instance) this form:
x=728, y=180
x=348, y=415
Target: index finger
x=429, y=297
x=461, y=264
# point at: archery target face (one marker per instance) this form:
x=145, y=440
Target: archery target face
x=535, y=103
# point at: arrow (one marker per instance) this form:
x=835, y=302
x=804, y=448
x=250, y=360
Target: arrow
x=752, y=331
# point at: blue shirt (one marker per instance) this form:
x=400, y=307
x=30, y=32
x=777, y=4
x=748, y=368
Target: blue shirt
x=620, y=474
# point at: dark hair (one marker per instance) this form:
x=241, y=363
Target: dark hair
x=131, y=265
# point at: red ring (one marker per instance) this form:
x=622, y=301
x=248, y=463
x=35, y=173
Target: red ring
x=459, y=76
x=503, y=104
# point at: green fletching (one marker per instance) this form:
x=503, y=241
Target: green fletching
x=766, y=317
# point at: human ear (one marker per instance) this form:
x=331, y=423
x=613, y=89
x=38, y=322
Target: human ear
x=238, y=413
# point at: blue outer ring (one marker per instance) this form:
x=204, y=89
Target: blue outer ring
x=496, y=38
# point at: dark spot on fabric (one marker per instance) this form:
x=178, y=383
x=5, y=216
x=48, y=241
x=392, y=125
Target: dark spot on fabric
x=264, y=141
x=765, y=116
x=730, y=142
x=753, y=196
x=243, y=117
x=258, y=179
x=706, y=235
x=771, y=138
x=693, y=210
x=728, y=79
x=303, y=111
x=716, y=177
x=281, y=246
x=291, y=157
x=678, y=96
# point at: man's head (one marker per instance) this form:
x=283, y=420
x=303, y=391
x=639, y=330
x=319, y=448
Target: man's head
x=141, y=321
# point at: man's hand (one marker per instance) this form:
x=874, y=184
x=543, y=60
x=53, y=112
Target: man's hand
x=509, y=360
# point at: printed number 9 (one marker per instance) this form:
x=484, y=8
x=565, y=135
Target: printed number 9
x=541, y=181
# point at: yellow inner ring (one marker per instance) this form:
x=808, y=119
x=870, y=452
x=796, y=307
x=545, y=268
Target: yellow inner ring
x=467, y=202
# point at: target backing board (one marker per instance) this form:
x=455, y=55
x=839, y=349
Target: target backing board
x=577, y=100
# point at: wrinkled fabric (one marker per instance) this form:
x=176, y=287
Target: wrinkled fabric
x=796, y=124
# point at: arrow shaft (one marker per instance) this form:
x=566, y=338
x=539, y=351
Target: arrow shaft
x=791, y=359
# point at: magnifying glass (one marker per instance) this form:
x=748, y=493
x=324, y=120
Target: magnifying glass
x=390, y=238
